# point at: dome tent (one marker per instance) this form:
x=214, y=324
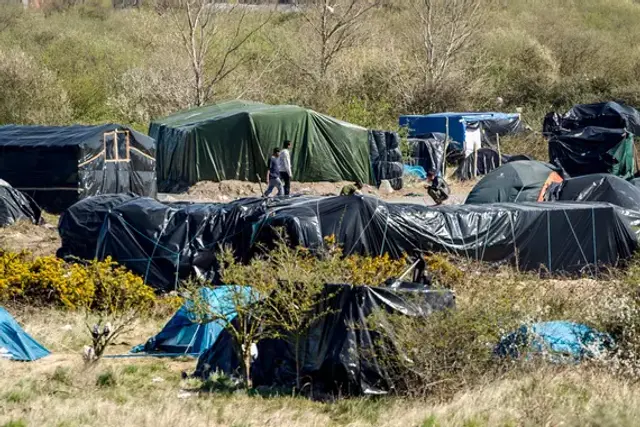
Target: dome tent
x=234, y=139
x=15, y=343
x=16, y=206
x=519, y=181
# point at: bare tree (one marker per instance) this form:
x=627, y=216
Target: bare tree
x=335, y=25
x=213, y=35
x=443, y=30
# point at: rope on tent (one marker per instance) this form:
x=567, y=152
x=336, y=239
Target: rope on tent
x=593, y=231
x=575, y=237
x=193, y=338
x=484, y=245
x=365, y=227
x=384, y=236
x=155, y=246
x=513, y=236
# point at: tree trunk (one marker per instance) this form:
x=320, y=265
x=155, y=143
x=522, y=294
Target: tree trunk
x=246, y=356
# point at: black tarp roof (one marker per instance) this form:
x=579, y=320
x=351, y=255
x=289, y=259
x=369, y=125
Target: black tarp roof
x=340, y=353
x=611, y=115
x=165, y=243
x=89, y=136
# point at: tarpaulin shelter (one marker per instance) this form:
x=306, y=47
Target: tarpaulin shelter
x=556, y=341
x=594, y=150
x=168, y=243
x=15, y=343
x=519, y=181
x=59, y=165
x=16, y=206
x=340, y=353
x=597, y=188
x=611, y=115
x=428, y=151
x=234, y=140
x=186, y=333
x=464, y=130
x=386, y=158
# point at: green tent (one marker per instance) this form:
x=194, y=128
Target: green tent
x=519, y=181
x=234, y=139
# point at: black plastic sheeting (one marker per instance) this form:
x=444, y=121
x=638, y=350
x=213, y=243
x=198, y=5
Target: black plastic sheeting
x=597, y=188
x=58, y=166
x=593, y=150
x=428, y=152
x=501, y=126
x=610, y=115
x=168, y=243
x=16, y=206
x=386, y=157
x=340, y=354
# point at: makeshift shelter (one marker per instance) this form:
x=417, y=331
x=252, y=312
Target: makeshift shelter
x=464, y=130
x=233, y=140
x=340, y=353
x=429, y=151
x=556, y=341
x=611, y=115
x=386, y=158
x=168, y=243
x=597, y=188
x=519, y=181
x=16, y=206
x=15, y=343
x=594, y=150
x=58, y=166
x=185, y=333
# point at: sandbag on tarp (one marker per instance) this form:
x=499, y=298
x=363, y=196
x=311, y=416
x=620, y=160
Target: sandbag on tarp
x=168, y=243
x=597, y=188
x=185, y=333
x=16, y=206
x=556, y=341
x=15, y=343
x=340, y=353
x=428, y=152
x=594, y=150
x=234, y=139
x=60, y=165
x=611, y=115
x=519, y=181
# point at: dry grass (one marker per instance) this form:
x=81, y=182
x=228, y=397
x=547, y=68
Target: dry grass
x=38, y=239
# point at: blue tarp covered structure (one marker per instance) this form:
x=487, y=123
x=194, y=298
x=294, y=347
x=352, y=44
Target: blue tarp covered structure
x=15, y=343
x=557, y=340
x=460, y=123
x=184, y=335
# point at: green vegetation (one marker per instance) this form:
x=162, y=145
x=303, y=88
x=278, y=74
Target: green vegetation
x=90, y=63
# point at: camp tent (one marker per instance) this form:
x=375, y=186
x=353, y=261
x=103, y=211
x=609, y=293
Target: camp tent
x=597, y=188
x=165, y=244
x=185, y=334
x=233, y=140
x=464, y=130
x=519, y=181
x=15, y=343
x=611, y=115
x=340, y=353
x=16, y=206
x=59, y=165
x=594, y=150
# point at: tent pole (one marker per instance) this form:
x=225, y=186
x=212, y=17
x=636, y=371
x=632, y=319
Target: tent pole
x=475, y=160
x=446, y=145
x=499, y=152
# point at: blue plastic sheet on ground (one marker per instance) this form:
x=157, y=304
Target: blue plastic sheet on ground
x=558, y=341
x=417, y=171
x=15, y=343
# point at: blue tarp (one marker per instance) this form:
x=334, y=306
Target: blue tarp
x=15, y=343
x=184, y=335
x=417, y=171
x=558, y=340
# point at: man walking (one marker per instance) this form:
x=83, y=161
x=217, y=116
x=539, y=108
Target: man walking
x=285, y=167
x=273, y=174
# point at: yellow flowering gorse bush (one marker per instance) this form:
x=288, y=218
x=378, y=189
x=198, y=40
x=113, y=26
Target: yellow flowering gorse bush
x=99, y=285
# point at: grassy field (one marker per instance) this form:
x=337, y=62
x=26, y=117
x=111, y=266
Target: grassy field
x=60, y=391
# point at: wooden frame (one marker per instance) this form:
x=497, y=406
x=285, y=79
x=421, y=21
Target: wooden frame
x=115, y=134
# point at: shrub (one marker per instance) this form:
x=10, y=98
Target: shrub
x=99, y=285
